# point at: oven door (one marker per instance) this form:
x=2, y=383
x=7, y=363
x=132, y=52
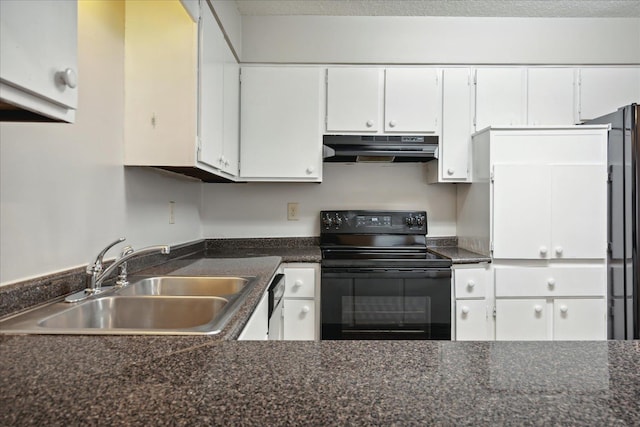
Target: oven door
x=358, y=304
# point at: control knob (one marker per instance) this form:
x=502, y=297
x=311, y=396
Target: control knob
x=410, y=221
x=327, y=221
x=337, y=221
x=420, y=220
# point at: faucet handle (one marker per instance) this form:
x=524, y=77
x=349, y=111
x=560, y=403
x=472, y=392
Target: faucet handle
x=97, y=264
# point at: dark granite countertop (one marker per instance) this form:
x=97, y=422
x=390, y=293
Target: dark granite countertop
x=54, y=380
x=458, y=255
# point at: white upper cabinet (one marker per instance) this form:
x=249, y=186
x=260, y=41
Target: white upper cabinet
x=219, y=95
x=353, y=99
x=453, y=163
x=550, y=96
x=181, y=92
x=604, y=90
x=38, y=59
x=412, y=100
x=281, y=124
x=377, y=100
x=500, y=97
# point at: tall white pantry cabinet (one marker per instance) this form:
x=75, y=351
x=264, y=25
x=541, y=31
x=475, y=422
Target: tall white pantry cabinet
x=538, y=205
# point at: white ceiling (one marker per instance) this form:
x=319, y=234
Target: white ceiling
x=488, y=8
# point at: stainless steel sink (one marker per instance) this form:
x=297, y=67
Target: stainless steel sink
x=158, y=305
x=185, y=285
x=149, y=314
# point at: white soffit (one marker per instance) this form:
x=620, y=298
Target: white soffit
x=479, y=8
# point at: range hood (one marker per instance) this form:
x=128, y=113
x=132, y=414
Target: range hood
x=378, y=148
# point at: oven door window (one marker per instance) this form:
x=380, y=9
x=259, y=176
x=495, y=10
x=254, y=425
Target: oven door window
x=378, y=306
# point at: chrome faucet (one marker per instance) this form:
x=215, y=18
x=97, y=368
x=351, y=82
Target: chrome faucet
x=96, y=275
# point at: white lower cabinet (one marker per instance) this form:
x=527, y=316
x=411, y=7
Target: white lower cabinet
x=257, y=327
x=301, y=283
x=472, y=287
x=550, y=303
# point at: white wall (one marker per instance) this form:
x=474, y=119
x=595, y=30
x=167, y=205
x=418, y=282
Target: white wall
x=64, y=193
x=260, y=209
x=440, y=40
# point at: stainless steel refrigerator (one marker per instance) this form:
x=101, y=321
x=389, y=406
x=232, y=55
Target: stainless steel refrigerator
x=624, y=222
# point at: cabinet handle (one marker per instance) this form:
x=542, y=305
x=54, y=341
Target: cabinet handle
x=305, y=309
x=392, y=123
x=559, y=250
x=465, y=310
x=543, y=250
x=68, y=77
x=471, y=284
x=297, y=283
x=310, y=170
x=226, y=162
x=450, y=171
x=551, y=282
x=537, y=308
x=369, y=123
x=221, y=159
x=564, y=308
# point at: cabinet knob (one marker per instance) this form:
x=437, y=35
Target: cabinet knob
x=310, y=170
x=369, y=123
x=465, y=310
x=564, y=308
x=297, y=283
x=392, y=123
x=221, y=159
x=537, y=308
x=471, y=284
x=68, y=77
x=450, y=171
x=543, y=250
x=305, y=309
x=226, y=162
x=559, y=250
x=551, y=282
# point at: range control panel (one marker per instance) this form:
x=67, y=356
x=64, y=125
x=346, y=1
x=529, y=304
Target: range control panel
x=373, y=222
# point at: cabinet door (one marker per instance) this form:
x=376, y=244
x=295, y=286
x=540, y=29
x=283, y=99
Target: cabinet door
x=500, y=97
x=604, y=90
x=231, y=113
x=471, y=320
x=578, y=211
x=456, y=124
x=353, y=99
x=521, y=319
x=280, y=120
x=579, y=319
x=521, y=211
x=211, y=93
x=412, y=100
x=299, y=319
x=550, y=96
x=38, y=70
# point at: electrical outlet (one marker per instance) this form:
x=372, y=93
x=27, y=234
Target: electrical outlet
x=172, y=213
x=292, y=211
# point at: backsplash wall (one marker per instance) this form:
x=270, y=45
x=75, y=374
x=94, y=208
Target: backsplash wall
x=260, y=209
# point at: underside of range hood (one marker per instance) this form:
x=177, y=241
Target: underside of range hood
x=379, y=148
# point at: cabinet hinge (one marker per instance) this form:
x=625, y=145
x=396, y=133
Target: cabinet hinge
x=491, y=248
x=492, y=176
x=240, y=75
x=609, y=247
x=475, y=77
x=494, y=312
x=610, y=174
x=198, y=147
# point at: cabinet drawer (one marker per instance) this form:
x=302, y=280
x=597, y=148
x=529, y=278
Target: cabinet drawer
x=471, y=282
x=299, y=282
x=550, y=281
x=299, y=319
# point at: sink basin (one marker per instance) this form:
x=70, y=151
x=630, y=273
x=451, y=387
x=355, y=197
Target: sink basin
x=139, y=313
x=151, y=305
x=186, y=285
